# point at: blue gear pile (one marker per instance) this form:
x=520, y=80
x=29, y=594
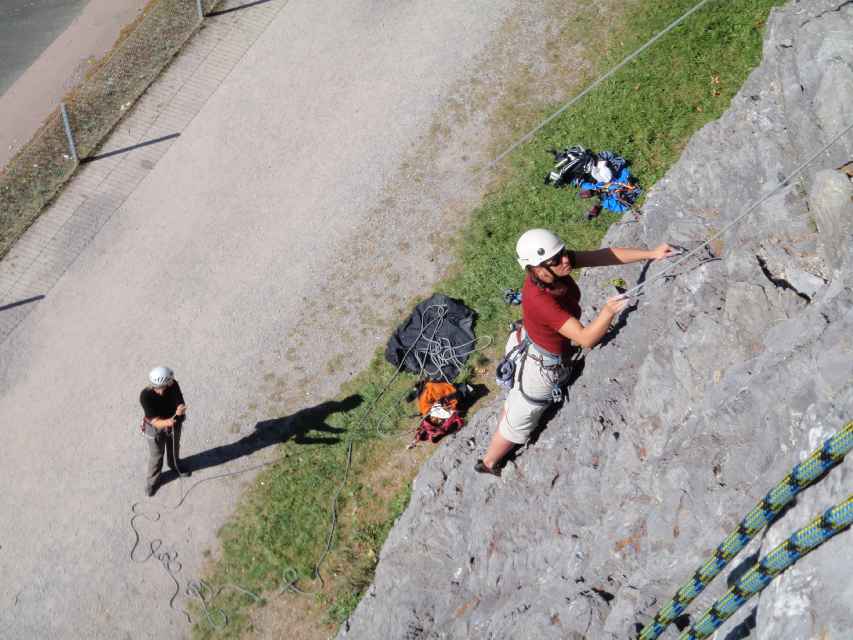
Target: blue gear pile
x=605, y=175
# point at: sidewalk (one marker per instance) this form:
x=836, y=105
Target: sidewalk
x=261, y=247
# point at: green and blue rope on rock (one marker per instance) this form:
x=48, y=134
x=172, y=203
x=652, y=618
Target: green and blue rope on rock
x=804, y=474
x=810, y=537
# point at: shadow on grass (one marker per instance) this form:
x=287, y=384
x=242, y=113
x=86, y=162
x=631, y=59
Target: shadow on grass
x=294, y=427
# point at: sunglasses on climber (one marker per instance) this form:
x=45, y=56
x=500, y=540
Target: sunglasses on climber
x=555, y=260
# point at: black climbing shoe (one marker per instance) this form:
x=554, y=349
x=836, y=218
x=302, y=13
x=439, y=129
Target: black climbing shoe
x=481, y=467
x=150, y=491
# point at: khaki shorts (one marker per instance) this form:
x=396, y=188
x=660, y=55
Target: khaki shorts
x=520, y=416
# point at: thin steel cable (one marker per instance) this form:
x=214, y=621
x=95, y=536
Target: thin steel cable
x=527, y=136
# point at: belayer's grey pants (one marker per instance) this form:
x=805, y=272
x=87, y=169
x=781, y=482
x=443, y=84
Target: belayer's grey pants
x=160, y=440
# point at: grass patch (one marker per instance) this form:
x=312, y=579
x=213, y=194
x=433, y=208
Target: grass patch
x=280, y=529
x=31, y=179
x=647, y=113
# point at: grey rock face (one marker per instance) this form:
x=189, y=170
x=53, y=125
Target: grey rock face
x=726, y=374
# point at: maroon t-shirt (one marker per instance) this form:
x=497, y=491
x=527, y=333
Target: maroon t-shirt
x=546, y=310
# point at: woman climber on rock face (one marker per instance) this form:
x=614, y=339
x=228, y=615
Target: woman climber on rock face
x=550, y=305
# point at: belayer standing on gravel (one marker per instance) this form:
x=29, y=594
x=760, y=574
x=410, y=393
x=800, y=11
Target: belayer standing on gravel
x=541, y=348
x=165, y=412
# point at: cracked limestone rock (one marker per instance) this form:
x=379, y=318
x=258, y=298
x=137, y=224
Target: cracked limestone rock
x=727, y=373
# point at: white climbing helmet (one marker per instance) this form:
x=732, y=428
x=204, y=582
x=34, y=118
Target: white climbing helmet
x=161, y=376
x=537, y=245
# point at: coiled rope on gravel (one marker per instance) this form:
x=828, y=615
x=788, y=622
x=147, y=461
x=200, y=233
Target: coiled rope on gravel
x=822, y=528
x=195, y=589
x=821, y=460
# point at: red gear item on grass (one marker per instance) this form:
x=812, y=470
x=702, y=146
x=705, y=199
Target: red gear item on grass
x=435, y=432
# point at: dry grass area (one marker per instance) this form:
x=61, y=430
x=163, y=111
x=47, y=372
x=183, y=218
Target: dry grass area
x=33, y=178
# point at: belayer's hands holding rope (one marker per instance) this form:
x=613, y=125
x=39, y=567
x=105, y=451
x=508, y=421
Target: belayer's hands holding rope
x=178, y=418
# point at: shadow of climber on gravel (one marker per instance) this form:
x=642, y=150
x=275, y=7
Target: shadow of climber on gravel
x=269, y=432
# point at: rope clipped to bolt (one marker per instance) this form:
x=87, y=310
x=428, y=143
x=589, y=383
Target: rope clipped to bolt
x=636, y=290
x=821, y=460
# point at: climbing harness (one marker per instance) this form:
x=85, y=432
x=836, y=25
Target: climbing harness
x=818, y=531
x=505, y=372
x=828, y=455
x=435, y=431
x=438, y=403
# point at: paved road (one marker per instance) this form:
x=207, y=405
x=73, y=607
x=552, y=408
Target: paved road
x=45, y=49
x=27, y=28
x=261, y=254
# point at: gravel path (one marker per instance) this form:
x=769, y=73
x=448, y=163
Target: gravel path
x=262, y=254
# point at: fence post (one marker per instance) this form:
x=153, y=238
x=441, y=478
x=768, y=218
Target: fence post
x=68, y=133
x=200, y=9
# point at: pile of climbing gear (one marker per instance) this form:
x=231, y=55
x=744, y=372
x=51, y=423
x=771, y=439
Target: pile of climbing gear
x=439, y=404
x=434, y=343
x=604, y=175
x=833, y=521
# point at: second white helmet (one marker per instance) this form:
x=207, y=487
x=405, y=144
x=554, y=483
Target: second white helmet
x=161, y=376
x=536, y=246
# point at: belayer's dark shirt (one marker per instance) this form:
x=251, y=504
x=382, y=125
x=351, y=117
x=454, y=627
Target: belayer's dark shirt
x=157, y=406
